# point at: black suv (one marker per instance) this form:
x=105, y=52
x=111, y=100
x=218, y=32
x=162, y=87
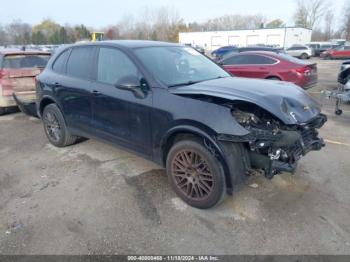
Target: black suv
x=176, y=107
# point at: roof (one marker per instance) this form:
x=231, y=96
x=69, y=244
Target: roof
x=265, y=53
x=132, y=43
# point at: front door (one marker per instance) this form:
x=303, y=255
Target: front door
x=119, y=115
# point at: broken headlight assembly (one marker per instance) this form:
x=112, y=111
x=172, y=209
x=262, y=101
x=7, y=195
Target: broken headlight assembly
x=274, y=147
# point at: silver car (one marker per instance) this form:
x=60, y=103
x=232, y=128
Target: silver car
x=302, y=52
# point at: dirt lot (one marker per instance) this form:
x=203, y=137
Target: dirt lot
x=92, y=198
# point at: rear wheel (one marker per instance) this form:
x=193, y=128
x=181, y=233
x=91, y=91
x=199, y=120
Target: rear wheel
x=273, y=78
x=304, y=56
x=2, y=111
x=328, y=57
x=195, y=174
x=55, y=127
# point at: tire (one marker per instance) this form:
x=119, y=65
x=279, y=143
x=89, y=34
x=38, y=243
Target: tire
x=273, y=78
x=2, y=111
x=196, y=175
x=328, y=57
x=304, y=56
x=55, y=127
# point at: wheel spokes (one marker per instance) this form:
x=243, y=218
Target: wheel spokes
x=192, y=174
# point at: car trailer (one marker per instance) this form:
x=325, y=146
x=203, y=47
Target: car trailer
x=341, y=95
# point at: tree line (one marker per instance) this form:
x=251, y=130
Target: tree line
x=165, y=23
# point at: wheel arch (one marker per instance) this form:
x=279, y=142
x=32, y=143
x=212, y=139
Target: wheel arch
x=45, y=101
x=186, y=131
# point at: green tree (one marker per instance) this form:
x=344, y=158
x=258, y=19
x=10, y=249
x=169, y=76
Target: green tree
x=63, y=37
x=275, y=24
x=81, y=32
x=38, y=38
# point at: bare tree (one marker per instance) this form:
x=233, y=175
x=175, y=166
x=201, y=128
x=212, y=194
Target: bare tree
x=346, y=21
x=328, y=25
x=19, y=33
x=309, y=12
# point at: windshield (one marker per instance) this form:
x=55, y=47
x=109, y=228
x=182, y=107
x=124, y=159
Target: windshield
x=178, y=65
x=25, y=61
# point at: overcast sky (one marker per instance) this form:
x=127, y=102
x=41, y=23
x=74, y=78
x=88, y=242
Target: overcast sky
x=99, y=13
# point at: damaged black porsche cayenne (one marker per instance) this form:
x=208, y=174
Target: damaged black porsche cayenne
x=176, y=107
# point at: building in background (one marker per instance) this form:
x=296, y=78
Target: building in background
x=278, y=37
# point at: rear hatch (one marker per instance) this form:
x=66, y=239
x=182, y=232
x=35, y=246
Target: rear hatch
x=19, y=72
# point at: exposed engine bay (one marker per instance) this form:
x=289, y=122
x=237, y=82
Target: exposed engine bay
x=275, y=147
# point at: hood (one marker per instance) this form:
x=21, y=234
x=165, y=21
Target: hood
x=286, y=101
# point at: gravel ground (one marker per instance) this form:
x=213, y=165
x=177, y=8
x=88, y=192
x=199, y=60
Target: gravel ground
x=92, y=198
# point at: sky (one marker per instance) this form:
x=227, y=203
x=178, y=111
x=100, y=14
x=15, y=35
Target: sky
x=100, y=13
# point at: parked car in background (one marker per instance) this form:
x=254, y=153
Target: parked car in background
x=220, y=52
x=344, y=74
x=340, y=52
x=271, y=66
x=248, y=49
x=18, y=70
x=302, y=52
x=176, y=107
x=318, y=48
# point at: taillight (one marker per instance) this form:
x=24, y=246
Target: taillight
x=5, y=84
x=306, y=71
x=2, y=74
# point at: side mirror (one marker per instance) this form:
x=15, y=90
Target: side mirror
x=133, y=84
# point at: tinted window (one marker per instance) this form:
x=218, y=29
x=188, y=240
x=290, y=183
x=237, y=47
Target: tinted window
x=59, y=65
x=113, y=65
x=346, y=47
x=25, y=61
x=249, y=60
x=80, y=62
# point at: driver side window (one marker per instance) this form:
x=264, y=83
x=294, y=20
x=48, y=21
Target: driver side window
x=113, y=65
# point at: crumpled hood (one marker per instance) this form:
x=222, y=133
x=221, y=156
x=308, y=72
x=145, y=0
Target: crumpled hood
x=288, y=102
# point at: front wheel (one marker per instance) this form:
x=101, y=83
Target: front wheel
x=2, y=111
x=55, y=127
x=195, y=174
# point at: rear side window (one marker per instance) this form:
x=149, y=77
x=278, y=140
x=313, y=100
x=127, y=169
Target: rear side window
x=113, y=65
x=59, y=65
x=249, y=60
x=25, y=61
x=80, y=62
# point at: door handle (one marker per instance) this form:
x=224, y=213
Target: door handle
x=56, y=84
x=95, y=92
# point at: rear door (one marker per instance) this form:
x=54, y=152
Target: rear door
x=342, y=52
x=249, y=65
x=346, y=53
x=293, y=51
x=73, y=86
x=20, y=71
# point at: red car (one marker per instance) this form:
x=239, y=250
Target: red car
x=18, y=70
x=339, y=52
x=268, y=65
